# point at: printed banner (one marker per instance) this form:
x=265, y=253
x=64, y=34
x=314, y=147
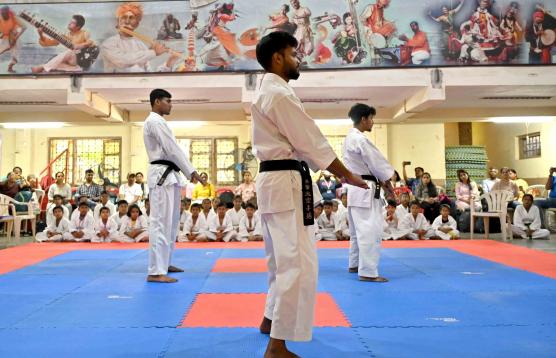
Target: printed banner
x=210, y=35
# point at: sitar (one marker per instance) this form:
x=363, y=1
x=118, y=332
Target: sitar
x=85, y=57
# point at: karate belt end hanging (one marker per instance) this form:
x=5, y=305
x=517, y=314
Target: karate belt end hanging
x=306, y=183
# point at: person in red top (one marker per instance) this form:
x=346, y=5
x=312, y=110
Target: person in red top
x=373, y=19
x=420, y=49
x=11, y=30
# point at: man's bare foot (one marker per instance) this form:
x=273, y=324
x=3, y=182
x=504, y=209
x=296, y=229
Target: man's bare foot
x=37, y=69
x=277, y=349
x=265, y=326
x=174, y=269
x=161, y=279
x=373, y=279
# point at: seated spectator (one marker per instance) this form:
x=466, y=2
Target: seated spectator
x=506, y=184
x=134, y=226
x=391, y=231
x=19, y=178
x=550, y=201
x=204, y=189
x=57, y=227
x=396, y=180
x=9, y=187
x=522, y=185
x=131, y=191
x=189, y=188
x=489, y=182
x=122, y=212
x=445, y=226
x=215, y=202
x=527, y=220
x=140, y=180
x=236, y=213
x=89, y=189
x=412, y=183
x=184, y=211
x=327, y=221
x=403, y=209
x=317, y=212
x=247, y=188
x=220, y=226
x=104, y=202
x=338, y=208
x=32, y=183
x=106, y=229
x=195, y=227
x=146, y=210
x=62, y=188
x=82, y=225
x=427, y=195
x=414, y=225
x=466, y=192
x=250, y=225
x=344, y=199
x=343, y=226
x=327, y=185
x=58, y=201
x=207, y=211
x=81, y=199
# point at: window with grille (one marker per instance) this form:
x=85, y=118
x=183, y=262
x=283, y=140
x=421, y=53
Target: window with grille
x=530, y=146
x=337, y=143
x=102, y=155
x=218, y=157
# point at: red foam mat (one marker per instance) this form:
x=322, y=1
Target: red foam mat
x=240, y=265
x=244, y=310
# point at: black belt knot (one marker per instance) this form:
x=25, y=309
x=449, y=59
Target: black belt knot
x=306, y=183
x=376, y=181
x=170, y=167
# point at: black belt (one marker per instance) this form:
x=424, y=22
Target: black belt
x=171, y=167
x=306, y=183
x=376, y=181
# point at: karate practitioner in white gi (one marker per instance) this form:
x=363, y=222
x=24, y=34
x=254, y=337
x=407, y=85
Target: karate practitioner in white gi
x=282, y=135
x=365, y=208
x=81, y=225
x=445, y=226
x=55, y=230
x=528, y=214
x=106, y=229
x=164, y=191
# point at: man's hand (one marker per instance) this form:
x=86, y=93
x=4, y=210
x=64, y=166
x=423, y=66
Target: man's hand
x=159, y=48
x=196, y=176
x=356, y=180
x=388, y=190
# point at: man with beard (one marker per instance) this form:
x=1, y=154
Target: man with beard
x=284, y=137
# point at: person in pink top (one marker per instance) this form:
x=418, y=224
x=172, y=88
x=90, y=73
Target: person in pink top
x=467, y=192
x=247, y=188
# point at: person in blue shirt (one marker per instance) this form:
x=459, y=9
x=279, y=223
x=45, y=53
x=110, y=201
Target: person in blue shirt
x=328, y=186
x=550, y=201
x=413, y=183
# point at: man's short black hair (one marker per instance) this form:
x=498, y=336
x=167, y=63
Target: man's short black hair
x=158, y=94
x=104, y=208
x=415, y=202
x=58, y=207
x=250, y=205
x=83, y=203
x=327, y=203
x=530, y=196
x=79, y=20
x=221, y=205
x=360, y=110
x=89, y=171
x=196, y=205
x=104, y=192
x=274, y=42
x=392, y=203
x=56, y=196
x=122, y=202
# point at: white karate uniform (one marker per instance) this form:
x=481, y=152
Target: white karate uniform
x=87, y=225
x=343, y=224
x=365, y=213
x=391, y=231
x=250, y=227
x=533, y=216
x=199, y=228
x=282, y=130
x=328, y=227
x=409, y=225
x=76, y=213
x=61, y=229
x=117, y=219
x=109, y=205
x=401, y=212
x=50, y=215
x=112, y=228
x=214, y=225
x=185, y=215
x=235, y=216
x=437, y=224
x=128, y=225
x=165, y=199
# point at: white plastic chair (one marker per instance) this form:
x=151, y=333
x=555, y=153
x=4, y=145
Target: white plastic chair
x=497, y=201
x=18, y=218
x=6, y=214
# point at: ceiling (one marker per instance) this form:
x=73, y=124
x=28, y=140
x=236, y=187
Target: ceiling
x=400, y=95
